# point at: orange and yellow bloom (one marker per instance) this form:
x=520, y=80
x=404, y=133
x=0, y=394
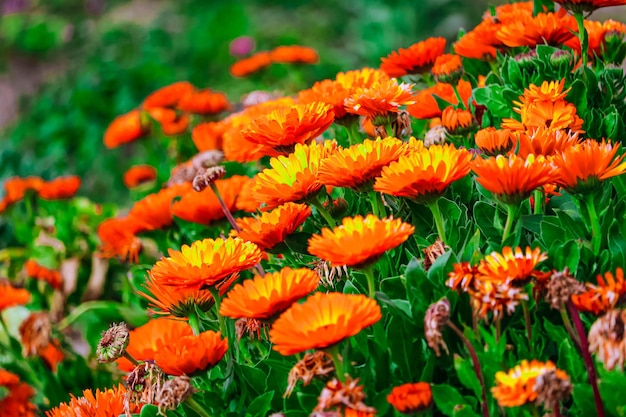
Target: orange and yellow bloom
x=189, y=354
x=603, y=297
x=380, y=101
x=101, y=403
x=411, y=398
x=416, y=59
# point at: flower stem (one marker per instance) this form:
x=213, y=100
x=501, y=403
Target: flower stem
x=582, y=36
x=596, y=234
x=476, y=363
x=591, y=369
x=389, y=129
x=378, y=207
x=216, y=298
x=132, y=360
x=538, y=197
x=371, y=282
x=556, y=411
x=511, y=214
x=197, y=408
x=458, y=97
x=434, y=208
x=225, y=209
x=333, y=351
x=194, y=323
x=354, y=135
x=529, y=330
x=315, y=202
x=568, y=326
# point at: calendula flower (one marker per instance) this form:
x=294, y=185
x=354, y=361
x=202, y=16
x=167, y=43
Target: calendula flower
x=495, y=297
x=426, y=107
x=292, y=178
x=264, y=297
x=583, y=166
x=139, y=174
x=118, y=237
x=16, y=398
x=411, y=398
x=480, y=43
x=546, y=142
x=462, y=276
x=245, y=200
x=294, y=54
x=154, y=212
x=359, y=241
x=510, y=11
x=323, y=320
x=545, y=28
x=168, y=96
x=11, y=296
x=271, y=228
x=606, y=295
x=206, y=262
x=252, y=64
x=357, y=166
x=379, y=101
x=208, y=136
x=517, y=386
x=60, y=188
x=416, y=59
x=515, y=266
x=456, y=120
x=189, y=354
x=512, y=179
x=284, y=127
x=424, y=175
x=448, y=68
x=125, y=129
x=37, y=271
x=494, y=141
x=588, y=5
x=176, y=126
x=606, y=339
x=15, y=188
x=204, y=102
x=101, y=403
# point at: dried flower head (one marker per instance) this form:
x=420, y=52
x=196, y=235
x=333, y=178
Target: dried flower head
x=207, y=176
x=173, y=392
x=434, y=251
x=551, y=388
x=435, y=136
x=35, y=333
x=561, y=287
x=328, y=273
x=340, y=396
x=435, y=320
x=318, y=364
x=207, y=159
x=606, y=339
x=144, y=382
x=253, y=327
x=113, y=343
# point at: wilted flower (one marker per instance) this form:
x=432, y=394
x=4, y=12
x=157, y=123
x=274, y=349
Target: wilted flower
x=435, y=320
x=342, y=396
x=317, y=364
x=562, y=287
x=113, y=343
x=606, y=339
x=173, y=392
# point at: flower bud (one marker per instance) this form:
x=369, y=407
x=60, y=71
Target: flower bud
x=113, y=343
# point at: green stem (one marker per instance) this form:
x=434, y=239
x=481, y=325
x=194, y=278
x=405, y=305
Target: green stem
x=434, y=208
x=371, y=281
x=378, y=206
x=534, y=411
x=333, y=351
x=194, y=323
x=131, y=358
x=596, y=235
x=568, y=326
x=390, y=131
x=584, y=39
x=315, y=202
x=196, y=407
x=511, y=214
x=354, y=133
x=529, y=331
x=216, y=299
x=538, y=197
x=458, y=97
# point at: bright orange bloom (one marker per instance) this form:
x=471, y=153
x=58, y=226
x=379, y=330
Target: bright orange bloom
x=426, y=107
x=546, y=142
x=250, y=65
x=601, y=298
x=119, y=240
x=481, y=42
x=176, y=127
x=11, y=296
x=545, y=28
x=411, y=398
x=495, y=297
x=154, y=211
x=380, y=100
x=106, y=403
x=598, y=32
x=203, y=207
x=416, y=59
x=60, y=188
x=206, y=262
x=359, y=241
x=582, y=167
x=322, y=321
x=245, y=200
x=282, y=128
x=517, y=386
x=15, y=401
x=512, y=179
x=362, y=78
x=515, y=266
x=51, y=276
x=456, y=120
x=424, y=175
x=204, y=102
x=494, y=141
x=139, y=174
x=125, y=129
x=189, y=354
x=168, y=96
x=264, y=297
x=51, y=354
x=16, y=188
x=462, y=276
x=271, y=228
x=294, y=54
x=292, y=178
x=448, y=68
x=357, y=166
x=208, y=136
x=589, y=5
x=510, y=11
x=239, y=149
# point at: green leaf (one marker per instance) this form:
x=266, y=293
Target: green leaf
x=465, y=371
x=447, y=399
x=260, y=405
x=149, y=410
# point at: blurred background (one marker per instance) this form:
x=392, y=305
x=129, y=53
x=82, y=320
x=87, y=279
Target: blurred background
x=68, y=67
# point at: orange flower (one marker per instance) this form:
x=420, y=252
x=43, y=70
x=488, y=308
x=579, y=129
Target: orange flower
x=176, y=127
x=206, y=262
x=411, y=398
x=204, y=102
x=51, y=354
x=106, y=403
x=456, y=120
x=237, y=148
x=271, y=228
x=250, y=65
x=292, y=178
x=462, y=276
x=323, y=320
x=517, y=387
x=357, y=166
x=545, y=28
x=60, y=188
x=515, y=266
x=426, y=107
x=264, y=297
x=494, y=141
x=380, y=100
x=362, y=78
x=583, y=166
x=119, y=240
x=51, y=276
x=11, y=296
x=15, y=401
x=203, y=207
x=545, y=142
x=425, y=174
x=16, y=188
x=125, y=129
x=495, y=297
x=208, y=136
x=416, y=59
x=294, y=54
x=448, y=68
x=510, y=11
x=589, y=5
x=245, y=200
x=139, y=174
x=168, y=96
x=601, y=298
x=282, y=128
x=189, y=354
x=153, y=212
x=359, y=241
x=512, y=179
x=480, y=43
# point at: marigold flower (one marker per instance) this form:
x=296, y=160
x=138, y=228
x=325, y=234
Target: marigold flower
x=330, y=92
x=512, y=179
x=516, y=266
x=292, y=178
x=252, y=64
x=545, y=28
x=582, y=167
x=294, y=54
x=322, y=321
x=139, y=174
x=606, y=295
x=16, y=188
x=547, y=142
x=153, y=212
x=189, y=354
x=264, y=297
x=40, y=272
x=495, y=297
x=456, y=120
x=177, y=126
x=424, y=175
x=380, y=100
x=60, y=188
x=494, y=141
x=510, y=11
x=204, y=102
x=105, y=403
x=426, y=107
x=462, y=276
x=208, y=136
x=245, y=199
x=125, y=129
x=606, y=339
x=588, y=5
x=517, y=386
x=271, y=228
x=448, y=68
x=284, y=127
x=16, y=398
x=362, y=78
x=168, y=96
x=411, y=398
x=206, y=262
x=416, y=59
x=476, y=45
x=11, y=296
x=119, y=240
x=239, y=149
